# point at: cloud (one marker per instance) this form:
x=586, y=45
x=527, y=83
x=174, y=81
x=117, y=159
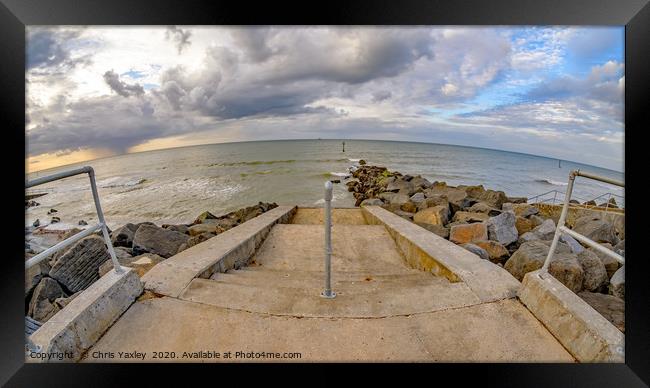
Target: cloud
x=179, y=36
x=112, y=79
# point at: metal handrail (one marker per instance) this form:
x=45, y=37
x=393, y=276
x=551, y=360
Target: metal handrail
x=328, y=293
x=561, y=228
x=88, y=231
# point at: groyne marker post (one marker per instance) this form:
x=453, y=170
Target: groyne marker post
x=328, y=293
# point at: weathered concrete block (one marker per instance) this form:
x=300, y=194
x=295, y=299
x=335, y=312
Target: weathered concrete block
x=79, y=266
x=82, y=322
x=586, y=334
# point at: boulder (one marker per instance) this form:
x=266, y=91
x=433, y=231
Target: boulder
x=152, y=239
x=590, y=203
x=610, y=263
x=610, y=307
x=528, y=236
x=435, y=200
x=617, y=283
x=42, y=306
x=420, y=182
x=122, y=253
x=493, y=198
x=523, y=225
x=437, y=215
x=195, y=240
x=480, y=207
x=372, y=202
x=177, y=228
x=473, y=191
x=197, y=229
x=571, y=242
x=546, y=230
x=595, y=275
x=465, y=233
x=524, y=209
x=469, y=217
x=537, y=220
x=497, y=252
x=456, y=198
x=204, y=216
x=141, y=264
x=436, y=229
x=36, y=223
x=401, y=186
x=123, y=236
x=417, y=198
x=409, y=207
x=395, y=198
x=83, y=223
x=620, y=248
x=596, y=229
x=517, y=199
x=502, y=228
x=78, y=267
x=405, y=215
x=478, y=251
x=62, y=302
x=531, y=256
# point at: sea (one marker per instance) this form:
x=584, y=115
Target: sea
x=176, y=185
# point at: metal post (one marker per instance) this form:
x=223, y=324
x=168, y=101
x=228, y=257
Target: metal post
x=328, y=293
x=102, y=222
x=560, y=222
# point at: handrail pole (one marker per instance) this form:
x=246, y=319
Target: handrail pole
x=560, y=222
x=328, y=293
x=100, y=215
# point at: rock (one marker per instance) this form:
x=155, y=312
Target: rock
x=528, y=236
x=52, y=211
x=33, y=276
x=403, y=214
x=617, y=283
x=409, y=207
x=469, y=217
x=571, y=242
x=335, y=180
x=465, y=233
x=141, y=264
x=523, y=225
x=437, y=215
x=177, y=228
x=620, y=248
x=372, y=202
x=473, y=191
x=436, y=229
x=362, y=162
x=524, y=209
x=152, y=239
x=493, y=198
x=517, y=199
x=478, y=251
x=122, y=253
x=204, y=216
x=575, y=201
x=417, y=198
x=610, y=263
x=456, y=198
x=590, y=203
x=62, y=302
x=54, y=220
x=546, y=230
x=395, y=198
x=83, y=223
x=502, y=228
x=420, y=182
x=197, y=229
x=402, y=187
x=78, y=267
x=537, y=220
x=36, y=223
x=435, y=200
x=123, y=236
x=42, y=306
x=481, y=207
x=596, y=229
x=595, y=275
x=496, y=252
x=531, y=256
x=610, y=307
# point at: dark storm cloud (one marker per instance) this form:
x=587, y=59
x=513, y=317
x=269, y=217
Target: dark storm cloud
x=253, y=42
x=381, y=95
x=179, y=36
x=48, y=50
x=112, y=79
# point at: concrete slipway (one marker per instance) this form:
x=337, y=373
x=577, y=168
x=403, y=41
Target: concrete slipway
x=403, y=294
x=256, y=288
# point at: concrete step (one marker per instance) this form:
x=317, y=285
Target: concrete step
x=259, y=276
x=353, y=300
x=354, y=248
x=316, y=216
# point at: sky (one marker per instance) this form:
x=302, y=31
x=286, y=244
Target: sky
x=554, y=91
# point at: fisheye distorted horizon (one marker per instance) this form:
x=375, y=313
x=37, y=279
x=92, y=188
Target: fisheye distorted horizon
x=101, y=91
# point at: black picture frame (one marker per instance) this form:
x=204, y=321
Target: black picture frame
x=634, y=14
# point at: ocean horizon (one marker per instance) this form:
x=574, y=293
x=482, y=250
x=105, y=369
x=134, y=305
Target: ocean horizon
x=174, y=185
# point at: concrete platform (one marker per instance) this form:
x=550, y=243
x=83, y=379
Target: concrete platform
x=316, y=216
x=502, y=331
